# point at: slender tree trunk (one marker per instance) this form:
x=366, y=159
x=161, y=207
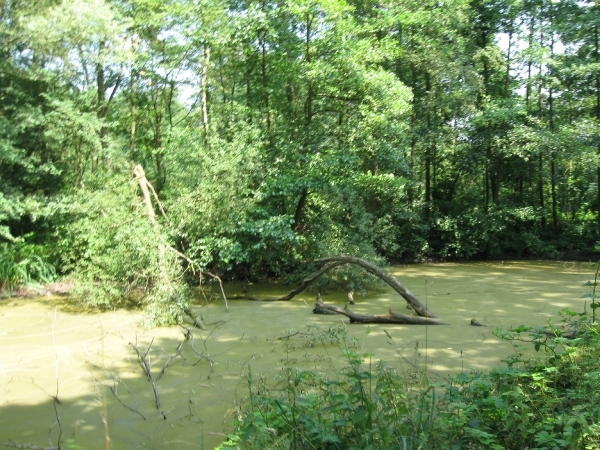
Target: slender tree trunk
x=597, y=61
x=101, y=99
x=552, y=131
x=540, y=154
x=414, y=138
x=265, y=80
x=508, y=55
x=486, y=189
x=299, y=213
x=133, y=112
x=528, y=94
x=489, y=181
x=428, y=196
x=310, y=94
x=204, y=92
x=529, y=65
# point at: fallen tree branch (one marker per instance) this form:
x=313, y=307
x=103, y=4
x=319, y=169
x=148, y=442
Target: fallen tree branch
x=391, y=317
x=169, y=359
x=335, y=261
x=146, y=367
x=410, y=298
x=293, y=334
x=189, y=336
x=198, y=322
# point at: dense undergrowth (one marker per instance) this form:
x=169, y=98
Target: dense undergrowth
x=549, y=399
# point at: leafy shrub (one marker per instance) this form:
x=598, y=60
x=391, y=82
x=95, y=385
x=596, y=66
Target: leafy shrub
x=116, y=256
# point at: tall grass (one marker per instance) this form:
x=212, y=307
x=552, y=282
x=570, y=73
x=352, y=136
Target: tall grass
x=16, y=272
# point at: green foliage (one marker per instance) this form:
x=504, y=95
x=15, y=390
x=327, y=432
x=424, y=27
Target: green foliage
x=545, y=401
x=365, y=408
x=118, y=257
x=593, y=285
x=19, y=266
x=277, y=133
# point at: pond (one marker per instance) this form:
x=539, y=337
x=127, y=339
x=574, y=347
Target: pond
x=68, y=373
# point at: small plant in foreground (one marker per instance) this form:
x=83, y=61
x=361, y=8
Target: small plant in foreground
x=594, y=284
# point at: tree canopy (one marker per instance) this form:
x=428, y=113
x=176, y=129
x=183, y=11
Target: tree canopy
x=274, y=133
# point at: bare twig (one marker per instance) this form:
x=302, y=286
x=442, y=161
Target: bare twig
x=157, y=200
x=293, y=334
x=146, y=367
x=55, y=359
x=56, y=400
x=169, y=359
x=60, y=431
x=190, y=336
x=220, y=285
x=113, y=389
x=192, y=263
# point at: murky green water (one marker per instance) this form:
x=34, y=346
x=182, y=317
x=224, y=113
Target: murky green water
x=47, y=350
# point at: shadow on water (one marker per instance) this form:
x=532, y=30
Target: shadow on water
x=45, y=344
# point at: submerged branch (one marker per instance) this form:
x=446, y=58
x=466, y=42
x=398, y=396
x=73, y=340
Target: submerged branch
x=113, y=389
x=146, y=367
x=391, y=317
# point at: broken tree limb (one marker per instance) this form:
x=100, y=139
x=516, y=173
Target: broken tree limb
x=411, y=298
x=391, y=317
x=197, y=320
x=143, y=359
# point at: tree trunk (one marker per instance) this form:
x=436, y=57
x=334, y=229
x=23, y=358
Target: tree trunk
x=597, y=61
x=204, y=91
x=140, y=175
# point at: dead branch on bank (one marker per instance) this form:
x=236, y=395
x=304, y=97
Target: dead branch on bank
x=391, y=317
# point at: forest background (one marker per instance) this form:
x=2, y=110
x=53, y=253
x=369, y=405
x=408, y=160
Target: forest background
x=274, y=133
